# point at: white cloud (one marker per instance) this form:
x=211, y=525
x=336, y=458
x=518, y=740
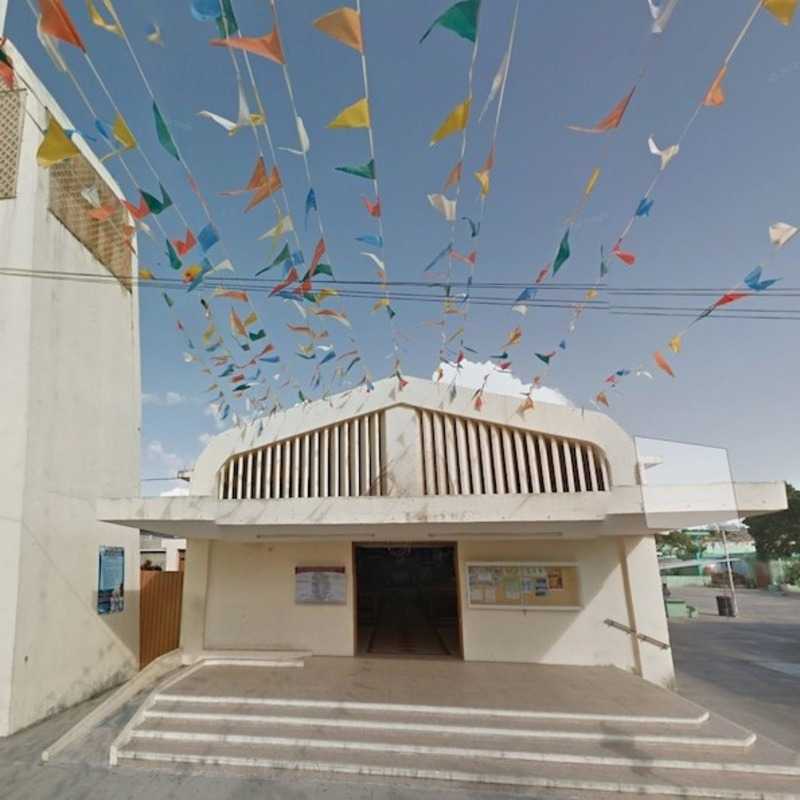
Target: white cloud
x=471, y=375
x=158, y=454
x=166, y=399
x=178, y=491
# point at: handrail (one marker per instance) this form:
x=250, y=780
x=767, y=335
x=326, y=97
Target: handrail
x=641, y=636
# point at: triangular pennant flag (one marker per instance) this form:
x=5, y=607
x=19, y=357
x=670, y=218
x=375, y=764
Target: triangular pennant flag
x=627, y=258
x=373, y=240
x=184, y=246
x=155, y=205
x=601, y=399
x=497, y=83
x=122, y=133
x=272, y=185
x=208, y=237
x=374, y=209
x=715, y=96
x=782, y=10
x=284, y=255
x=729, y=297
x=455, y=121
x=663, y=364
x=257, y=179
x=611, y=120
x=344, y=25
x=56, y=22
x=174, y=261
x=311, y=203
x=454, y=177
x=56, y=145
x=153, y=34
x=96, y=18
x=305, y=142
x=563, y=252
x=514, y=337
x=365, y=171
x=643, y=209
x=206, y=10
x=164, y=136
x=91, y=194
x=444, y=205
x=355, y=115
x=267, y=46
x=482, y=175
x=290, y=278
x=544, y=357
x=661, y=13
x=319, y=251
x=461, y=18
x=281, y=228
x=104, y=212
x=378, y=263
x=474, y=227
x=137, y=213
x=674, y=344
x=592, y=182
x=781, y=232
x=753, y=281
x=666, y=155
x=603, y=265
x=6, y=67
x=226, y=22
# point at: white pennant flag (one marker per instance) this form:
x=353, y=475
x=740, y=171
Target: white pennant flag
x=443, y=204
x=305, y=143
x=281, y=228
x=666, y=155
x=92, y=196
x=497, y=84
x=661, y=14
x=246, y=118
x=378, y=263
x=781, y=232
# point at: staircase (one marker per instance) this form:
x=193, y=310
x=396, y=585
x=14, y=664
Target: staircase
x=706, y=756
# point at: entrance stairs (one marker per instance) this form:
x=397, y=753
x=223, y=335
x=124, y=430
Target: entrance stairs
x=695, y=754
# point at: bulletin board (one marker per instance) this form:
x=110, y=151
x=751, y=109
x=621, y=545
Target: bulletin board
x=522, y=585
x=320, y=586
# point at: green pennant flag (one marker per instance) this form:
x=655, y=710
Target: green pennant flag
x=155, y=205
x=254, y=337
x=365, y=171
x=461, y=18
x=563, y=252
x=174, y=261
x=164, y=136
x=324, y=269
x=227, y=24
x=167, y=299
x=284, y=255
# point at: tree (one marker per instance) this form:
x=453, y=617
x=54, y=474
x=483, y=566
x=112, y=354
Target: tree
x=778, y=535
x=680, y=544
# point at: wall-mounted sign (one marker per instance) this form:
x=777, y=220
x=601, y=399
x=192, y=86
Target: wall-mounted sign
x=325, y=586
x=111, y=580
x=522, y=585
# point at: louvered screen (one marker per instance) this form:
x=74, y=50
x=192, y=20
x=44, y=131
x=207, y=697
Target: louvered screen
x=344, y=460
x=12, y=103
x=464, y=456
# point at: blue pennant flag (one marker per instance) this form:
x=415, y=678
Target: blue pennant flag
x=643, y=209
x=447, y=250
x=311, y=203
x=208, y=237
x=371, y=239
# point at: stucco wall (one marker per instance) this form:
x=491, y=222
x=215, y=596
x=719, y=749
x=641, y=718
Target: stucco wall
x=71, y=429
x=568, y=637
x=250, y=601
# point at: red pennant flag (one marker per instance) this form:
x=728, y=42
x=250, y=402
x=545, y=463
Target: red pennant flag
x=373, y=208
x=470, y=258
x=290, y=278
x=267, y=46
x=454, y=177
x=612, y=120
x=56, y=22
x=137, y=213
x=257, y=180
x=104, y=212
x=183, y=247
x=319, y=251
x=730, y=297
x=663, y=364
x=542, y=274
x=271, y=185
x=627, y=258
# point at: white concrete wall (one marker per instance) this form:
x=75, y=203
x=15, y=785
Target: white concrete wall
x=250, y=602
x=69, y=433
x=569, y=637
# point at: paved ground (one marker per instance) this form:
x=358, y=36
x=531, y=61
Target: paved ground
x=748, y=668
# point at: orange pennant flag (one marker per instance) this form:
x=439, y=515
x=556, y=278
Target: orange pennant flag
x=272, y=184
x=663, y=364
x=611, y=121
x=601, y=399
x=137, y=213
x=373, y=208
x=56, y=22
x=104, y=212
x=454, y=177
x=715, y=96
x=267, y=46
x=319, y=251
x=183, y=247
x=344, y=25
x=232, y=294
x=237, y=326
x=290, y=278
x=257, y=180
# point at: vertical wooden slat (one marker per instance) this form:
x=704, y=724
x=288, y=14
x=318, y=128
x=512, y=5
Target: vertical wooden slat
x=592, y=468
x=580, y=470
x=248, y=463
x=286, y=478
x=604, y=473
x=569, y=467
x=452, y=459
x=326, y=463
x=268, y=451
x=376, y=471
x=522, y=462
x=355, y=458
x=239, y=476
x=508, y=460
x=302, y=490
x=296, y=466
x=497, y=461
x=533, y=466
x=486, y=459
x=439, y=454
x=556, y=456
x=221, y=484
x=463, y=457
x=344, y=460
x=546, y=460
x=314, y=490
x=427, y=453
x=257, y=489
x=476, y=478
x=364, y=454
x=229, y=488
x=277, y=470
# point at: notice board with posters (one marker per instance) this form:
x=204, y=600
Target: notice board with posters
x=111, y=580
x=325, y=586
x=522, y=585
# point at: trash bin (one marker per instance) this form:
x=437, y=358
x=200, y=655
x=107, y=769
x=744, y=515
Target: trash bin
x=724, y=605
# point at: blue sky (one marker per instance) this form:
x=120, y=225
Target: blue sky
x=736, y=174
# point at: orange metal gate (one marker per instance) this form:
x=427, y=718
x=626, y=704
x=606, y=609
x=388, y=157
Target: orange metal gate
x=159, y=613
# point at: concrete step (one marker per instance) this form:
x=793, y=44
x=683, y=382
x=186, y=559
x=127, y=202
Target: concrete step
x=764, y=757
x=695, y=783
x=716, y=732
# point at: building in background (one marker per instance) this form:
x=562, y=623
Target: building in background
x=69, y=418
x=162, y=553
x=410, y=523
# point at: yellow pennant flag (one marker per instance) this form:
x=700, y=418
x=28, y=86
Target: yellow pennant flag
x=782, y=10
x=354, y=116
x=456, y=121
x=97, y=19
x=344, y=25
x=324, y=293
x=56, y=146
x=592, y=182
x=674, y=344
x=250, y=319
x=382, y=303
x=145, y=274
x=122, y=133
x=591, y=294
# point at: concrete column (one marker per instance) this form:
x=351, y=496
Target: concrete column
x=195, y=589
x=402, y=455
x=622, y=549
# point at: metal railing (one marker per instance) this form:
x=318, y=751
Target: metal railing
x=640, y=636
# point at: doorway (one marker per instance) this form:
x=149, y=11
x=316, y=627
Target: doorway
x=407, y=600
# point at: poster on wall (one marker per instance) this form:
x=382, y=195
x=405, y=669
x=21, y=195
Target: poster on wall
x=325, y=586
x=111, y=580
x=521, y=585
